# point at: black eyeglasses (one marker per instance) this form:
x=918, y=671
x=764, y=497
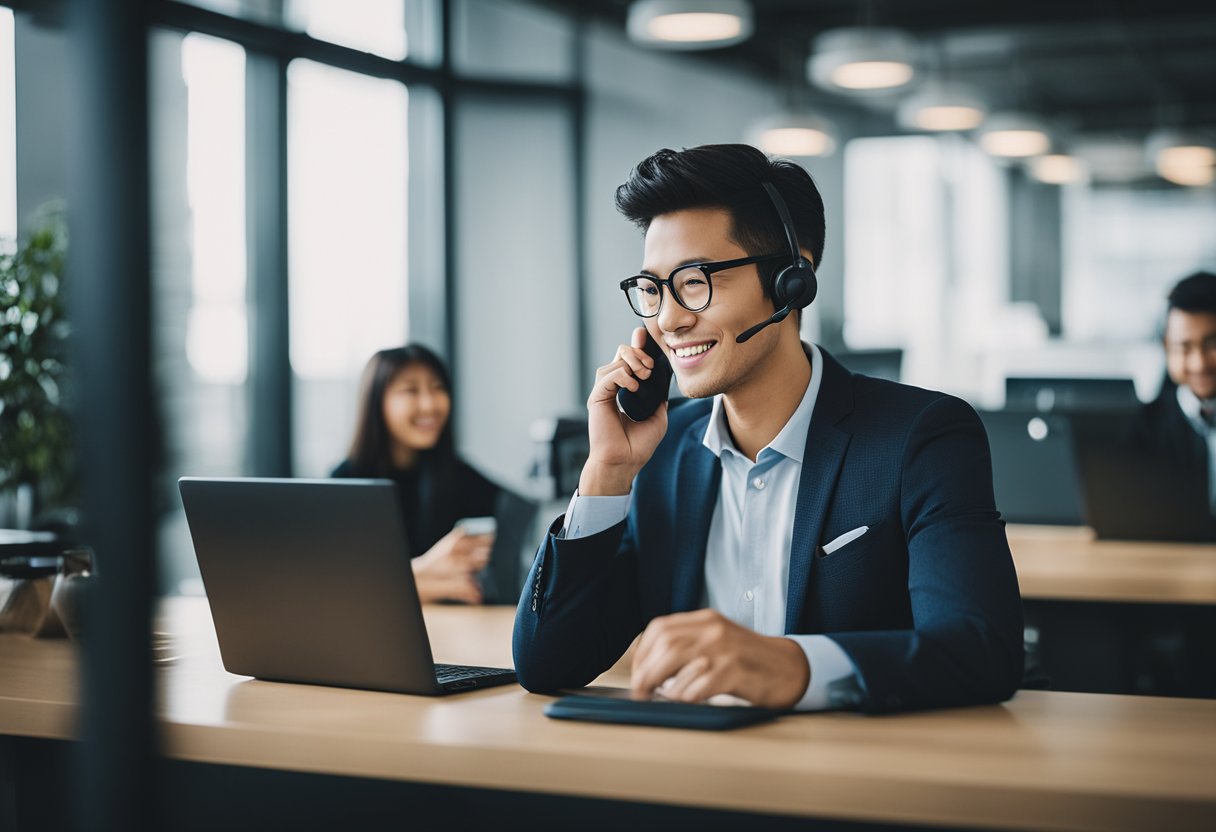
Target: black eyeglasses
x=690, y=285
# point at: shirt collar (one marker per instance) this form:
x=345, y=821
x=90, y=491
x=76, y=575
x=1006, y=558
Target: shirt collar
x=1190, y=405
x=790, y=442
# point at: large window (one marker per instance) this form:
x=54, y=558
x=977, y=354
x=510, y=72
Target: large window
x=926, y=257
x=200, y=329
x=8, y=130
x=347, y=184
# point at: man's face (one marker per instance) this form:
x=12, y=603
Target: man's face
x=1190, y=351
x=701, y=345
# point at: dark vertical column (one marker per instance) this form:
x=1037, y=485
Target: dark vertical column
x=270, y=393
x=447, y=91
x=584, y=368
x=1035, y=247
x=109, y=304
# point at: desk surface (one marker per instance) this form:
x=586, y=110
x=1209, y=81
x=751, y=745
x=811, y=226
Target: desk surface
x=1067, y=563
x=1042, y=761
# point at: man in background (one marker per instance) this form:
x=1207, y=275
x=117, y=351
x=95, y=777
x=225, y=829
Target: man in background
x=1181, y=422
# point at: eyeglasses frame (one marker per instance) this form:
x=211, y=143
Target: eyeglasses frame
x=708, y=269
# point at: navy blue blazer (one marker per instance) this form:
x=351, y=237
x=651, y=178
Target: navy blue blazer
x=925, y=603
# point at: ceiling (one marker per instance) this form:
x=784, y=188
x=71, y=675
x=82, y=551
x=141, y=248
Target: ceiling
x=1092, y=66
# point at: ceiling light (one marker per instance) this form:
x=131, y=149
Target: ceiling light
x=689, y=24
x=862, y=59
x=938, y=107
x=1014, y=136
x=1058, y=169
x=794, y=134
x=1183, y=157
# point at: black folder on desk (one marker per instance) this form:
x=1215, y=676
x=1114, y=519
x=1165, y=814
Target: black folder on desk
x=658, y=713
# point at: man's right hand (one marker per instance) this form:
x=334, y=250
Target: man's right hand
x=619, y=445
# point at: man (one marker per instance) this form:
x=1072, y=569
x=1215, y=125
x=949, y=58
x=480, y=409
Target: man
x=799, y=538
x=1179, y=423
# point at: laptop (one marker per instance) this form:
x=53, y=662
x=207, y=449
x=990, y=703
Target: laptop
x=1034, y=475
x=310, y=581
x=1130, y=493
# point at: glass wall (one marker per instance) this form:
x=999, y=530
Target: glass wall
x=8, y=130
x=347, y=184
x=200, y=329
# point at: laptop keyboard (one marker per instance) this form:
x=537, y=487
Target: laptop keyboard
x=456, y=672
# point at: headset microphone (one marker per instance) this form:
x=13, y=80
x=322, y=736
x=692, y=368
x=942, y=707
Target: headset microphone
x=795, y=286
x=777, y=318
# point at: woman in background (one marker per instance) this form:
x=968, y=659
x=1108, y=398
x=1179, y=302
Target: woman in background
x=404, y=432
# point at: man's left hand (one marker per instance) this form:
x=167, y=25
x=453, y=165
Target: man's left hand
x=691, y=656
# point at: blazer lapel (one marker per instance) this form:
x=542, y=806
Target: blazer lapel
x=825, y=448
x=698, y=478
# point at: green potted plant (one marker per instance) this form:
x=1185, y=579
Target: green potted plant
x=35, y=427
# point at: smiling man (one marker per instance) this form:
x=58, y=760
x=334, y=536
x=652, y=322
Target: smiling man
x=798, y=536
x=1180, y=423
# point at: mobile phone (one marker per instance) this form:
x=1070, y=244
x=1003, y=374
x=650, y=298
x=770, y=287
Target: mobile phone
x=652, y=391
x=475, y=526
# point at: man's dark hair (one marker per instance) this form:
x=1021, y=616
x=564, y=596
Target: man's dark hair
x=729, y=176
x=1195, y=293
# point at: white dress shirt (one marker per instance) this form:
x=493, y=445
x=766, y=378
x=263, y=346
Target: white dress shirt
x=1191, y=405
x=747, y=556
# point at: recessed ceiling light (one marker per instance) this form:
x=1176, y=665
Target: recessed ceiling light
x=862, y=59
x=689, y=24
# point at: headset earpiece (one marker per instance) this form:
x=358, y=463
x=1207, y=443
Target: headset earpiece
x=795, y=286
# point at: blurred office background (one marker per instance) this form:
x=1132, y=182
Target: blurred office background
x=328, y=179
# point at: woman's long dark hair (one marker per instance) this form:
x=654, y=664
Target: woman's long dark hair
x=370, y=453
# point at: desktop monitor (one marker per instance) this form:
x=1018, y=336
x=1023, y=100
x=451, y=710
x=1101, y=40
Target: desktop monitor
x=1069, y=395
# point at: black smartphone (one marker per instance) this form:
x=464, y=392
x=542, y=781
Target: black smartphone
x=657, y=713
x=652, y=391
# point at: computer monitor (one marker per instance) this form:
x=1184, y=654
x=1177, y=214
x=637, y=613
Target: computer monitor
x=879, y=363
x=1069, y=395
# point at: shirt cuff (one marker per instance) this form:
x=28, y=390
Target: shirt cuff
x=834, y=679
x=586, y=516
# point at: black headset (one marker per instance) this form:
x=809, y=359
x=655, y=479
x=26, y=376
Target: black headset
x=795, y=286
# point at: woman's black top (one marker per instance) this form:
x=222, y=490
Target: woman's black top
x=471, y=495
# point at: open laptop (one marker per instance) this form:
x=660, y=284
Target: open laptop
x=1130, y=493
x=310, y=581
x=1034, y=475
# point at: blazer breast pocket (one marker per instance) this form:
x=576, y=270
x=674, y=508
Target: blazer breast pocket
x=850, y=548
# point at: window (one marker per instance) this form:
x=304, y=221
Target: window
x=347, y=182
x=200, y=332
x=8, y=129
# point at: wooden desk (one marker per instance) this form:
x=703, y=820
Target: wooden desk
x=1042, y=761
x=1067, y=563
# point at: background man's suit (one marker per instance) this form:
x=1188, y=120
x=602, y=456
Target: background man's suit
x=925, y=603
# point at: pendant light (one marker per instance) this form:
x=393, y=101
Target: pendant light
x=1014, y=135
x=1184, y=157
x=689, y=24
x=862, y=59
